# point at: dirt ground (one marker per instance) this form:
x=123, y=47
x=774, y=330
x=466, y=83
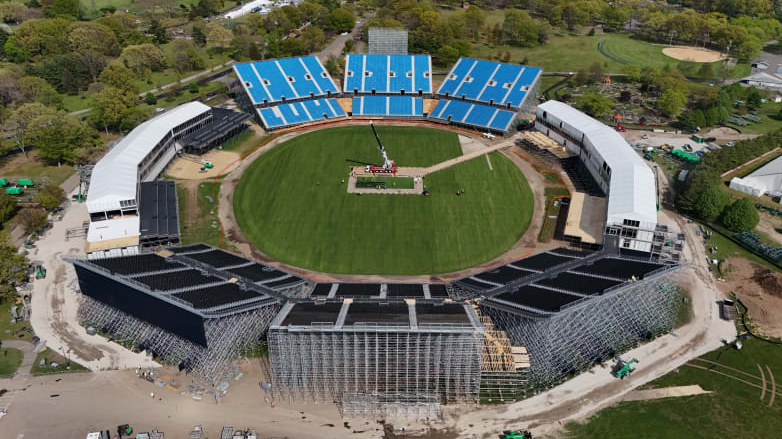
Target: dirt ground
x=760, y=289
x=696, y=54
x=769, y=224
x=185, y=169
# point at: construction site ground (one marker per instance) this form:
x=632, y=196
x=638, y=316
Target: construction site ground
x=190, y=169
x=760, y=289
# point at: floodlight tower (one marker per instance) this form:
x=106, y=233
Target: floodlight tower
x=388, y=165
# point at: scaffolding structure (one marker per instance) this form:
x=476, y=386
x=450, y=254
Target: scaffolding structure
x=227, y=337
x=572, y=340
x=504, y=367
x=376, y=368
x=387, y=41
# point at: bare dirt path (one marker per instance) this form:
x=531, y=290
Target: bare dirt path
x=763, y=378
x=773, y=386
x=666, y=392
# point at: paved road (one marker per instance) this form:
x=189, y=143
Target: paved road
x=334, y=49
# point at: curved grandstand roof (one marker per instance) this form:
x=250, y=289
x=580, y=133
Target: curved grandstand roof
x=632, y=193
x=114, y=178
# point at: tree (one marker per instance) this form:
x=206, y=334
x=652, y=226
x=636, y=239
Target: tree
x=193, y=87
x=741, y=216
x=50, y=197
x=340, y=20
x=7, y=207
x=112, y=104
x=671, y=102
x=594, y=104
x=474, y=20
x=519, y=29
x=144, y=56
x=11, y=12
x=706, y=70
x=150, y=99
x=21, y=118
x=447, y=55
x=632, y=71
x=158, y=32
x=37, y=89
x=119, y=76
x=15, y=51
x=332, y=67
x=32, y=219
x=93, y=37
x=69, y=9
x=13, y=271
x=219, y=37
x=710, y=203
x=199, y=37
x=313, y=38
x=60, y=138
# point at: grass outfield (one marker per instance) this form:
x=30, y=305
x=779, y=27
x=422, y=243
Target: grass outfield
x=733, y=410
x=291, y=203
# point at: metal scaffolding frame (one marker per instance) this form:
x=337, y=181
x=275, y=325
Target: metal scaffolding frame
x=227, y=337
x=572, y=340
x=376, y=368
x=504, y=368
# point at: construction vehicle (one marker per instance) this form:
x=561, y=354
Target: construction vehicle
x=516, y=434
x=623, y=369
x=14, y=191
x=40, y=272
x=389, y=167
x=24, y=182
x=3, y=182
x=124, y=430
x=620, y=127
x=648, y=156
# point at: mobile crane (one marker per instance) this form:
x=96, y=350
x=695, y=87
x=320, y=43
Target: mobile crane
x=389, y=167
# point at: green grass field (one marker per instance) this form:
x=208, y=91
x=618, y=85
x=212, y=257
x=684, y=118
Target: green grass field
x=51, y=356
x=572, y=53
x=733, y=410
x=10, y=359
x=292, y=204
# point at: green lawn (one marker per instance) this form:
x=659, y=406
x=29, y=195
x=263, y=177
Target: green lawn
x=573, y=53
x=15, y=168
x=550, y=224
x=77, y=102
x=10, y=359
x=243, y=142
x=9, y=331
x=390, y=182
x=292, y=204
x=201, y=228
x=51, y=356
x=733, y=410
x=768, y=112
x=727, y=248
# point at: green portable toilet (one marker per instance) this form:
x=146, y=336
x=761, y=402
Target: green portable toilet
x=26, y=182
x=13, y=191
x=3, y=182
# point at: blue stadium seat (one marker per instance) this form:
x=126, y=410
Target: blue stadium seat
x=375, y=105
x=501, y=120
x=303, y=83
x=458, y=73
x=318, y=109
x=506, y=74
x=474, y=82
x=377, y=67
x=269, y=80
x=319, y=74
x=419, y=107
x=338, y=111
x=252, y=82
x=400, y=106
x=354, y=73
x=271, y=117
x=423, y=73
x=517, y=94
x=401, y=65
x=455, y=110
x=480, y=115
x=294, y=113
x=438, y=108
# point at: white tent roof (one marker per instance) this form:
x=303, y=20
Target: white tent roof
x=763, y=77
x=768, y=177
x=113, y=229
x=632, y=193
x=114, y=177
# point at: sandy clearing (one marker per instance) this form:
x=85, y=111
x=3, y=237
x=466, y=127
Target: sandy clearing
x=764, y=301
x=187, y=169
x=666, y=392
x=696, y=54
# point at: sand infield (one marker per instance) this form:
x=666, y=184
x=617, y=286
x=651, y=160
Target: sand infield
x=185, y=169
x=696, y=54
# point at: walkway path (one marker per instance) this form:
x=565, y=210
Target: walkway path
x=466, y=157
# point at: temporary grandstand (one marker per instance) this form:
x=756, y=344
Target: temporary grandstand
x=398, y=107
x=363, y=353
x=384, y=349
x=572, y=308
x=158, y=214
x=611, y=165
x=197, y=306
x=388, y=74
x=486, y=95
x=113, y=196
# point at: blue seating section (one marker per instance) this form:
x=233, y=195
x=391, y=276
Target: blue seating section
x=290, y=78
x=482, y=116
x=388, y=73
x=388, y=106
x=489, y=81
x=299, y=112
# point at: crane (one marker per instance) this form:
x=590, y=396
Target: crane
x=389, y=167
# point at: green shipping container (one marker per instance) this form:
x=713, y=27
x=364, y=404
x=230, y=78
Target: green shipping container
x=3, y=182
x=25, y=182
x=13, y=191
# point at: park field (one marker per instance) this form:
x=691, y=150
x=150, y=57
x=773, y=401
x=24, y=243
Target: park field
x=292, y=203
x=733, y=409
